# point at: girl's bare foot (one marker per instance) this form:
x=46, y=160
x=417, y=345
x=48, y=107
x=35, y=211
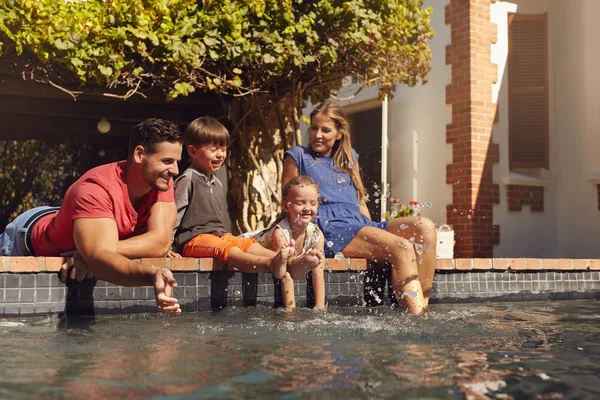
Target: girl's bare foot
x=279, y=263
x=301, y=265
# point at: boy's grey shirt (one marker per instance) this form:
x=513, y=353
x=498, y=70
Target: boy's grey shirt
x=200, y=206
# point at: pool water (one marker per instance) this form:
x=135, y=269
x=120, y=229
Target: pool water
x=458, y=351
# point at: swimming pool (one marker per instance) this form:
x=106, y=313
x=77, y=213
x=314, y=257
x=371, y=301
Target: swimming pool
x=482, y=350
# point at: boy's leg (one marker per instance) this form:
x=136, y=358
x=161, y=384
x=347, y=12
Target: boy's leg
x=287, y=292
x=239, y=256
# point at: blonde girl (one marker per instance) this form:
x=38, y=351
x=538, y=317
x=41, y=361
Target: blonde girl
x=300, y=202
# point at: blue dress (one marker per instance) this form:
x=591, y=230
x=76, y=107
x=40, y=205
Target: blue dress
x=339, y=216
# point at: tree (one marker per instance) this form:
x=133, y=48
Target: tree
x=35, y=173
x=263, y=57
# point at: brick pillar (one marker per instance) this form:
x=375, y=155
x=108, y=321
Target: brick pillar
x=473, y=191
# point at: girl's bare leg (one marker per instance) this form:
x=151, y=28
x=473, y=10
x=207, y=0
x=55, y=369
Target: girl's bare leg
x=318, y=284
x=287, y=292
x=424, y=235
x=380, y=245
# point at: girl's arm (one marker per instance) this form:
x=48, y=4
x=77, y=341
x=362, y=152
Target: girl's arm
x=277, y=240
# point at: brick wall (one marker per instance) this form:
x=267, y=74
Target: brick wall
x=519, y=195
x=473, y=114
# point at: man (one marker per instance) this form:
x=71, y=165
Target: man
x=112, y=214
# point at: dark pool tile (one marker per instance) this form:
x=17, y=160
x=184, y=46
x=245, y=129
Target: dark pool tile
x=55, y=281
x=190, y=279
x=191, y=306
x=179, y=277
x=204, y=304
x=113, y=293
x=2, y=281
x=42, y=295
x=11, y=309
x=11, y=295
x=27, y=281
x=27, y=309
x=41, y=308
x=190, y=293
x=235, y=279
x=140, y=293
x=13, y=281
x=178, y=293
x=127, y=293
x=100, y=294
x=58, y=294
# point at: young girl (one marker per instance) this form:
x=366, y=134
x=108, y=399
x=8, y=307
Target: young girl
x=343, y=215
x=295, y=225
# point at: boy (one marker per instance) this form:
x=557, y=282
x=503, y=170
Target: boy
x=200, y=200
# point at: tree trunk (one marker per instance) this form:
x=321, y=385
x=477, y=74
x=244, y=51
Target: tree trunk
x=263, y=127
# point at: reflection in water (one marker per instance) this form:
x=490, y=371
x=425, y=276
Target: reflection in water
x=493, y=351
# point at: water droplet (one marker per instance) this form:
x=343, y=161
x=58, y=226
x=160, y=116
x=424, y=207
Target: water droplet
x=376, y=201
x=403, y=226
x=341, y=179
x=411, y=294
x=338, y=256
x=443, y=212
x=329, y=244
x=468, y=216
x=455, y=210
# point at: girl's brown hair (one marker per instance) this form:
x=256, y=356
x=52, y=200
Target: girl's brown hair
x=342, y=155
x=298, y=180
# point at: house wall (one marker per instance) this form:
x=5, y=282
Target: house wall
x=417, y=118
x=571, y=219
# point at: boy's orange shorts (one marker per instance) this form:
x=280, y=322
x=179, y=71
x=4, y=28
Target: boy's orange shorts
x=206, y=245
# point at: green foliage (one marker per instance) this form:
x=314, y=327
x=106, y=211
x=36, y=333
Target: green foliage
x=234, y=47
x=34, y=173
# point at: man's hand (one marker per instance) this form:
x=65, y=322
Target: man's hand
x=163, y=284
x=74, y=268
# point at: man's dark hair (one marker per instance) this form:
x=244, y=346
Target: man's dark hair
x=151, y=132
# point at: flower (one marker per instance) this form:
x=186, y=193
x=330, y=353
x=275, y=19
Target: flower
x=402, y=210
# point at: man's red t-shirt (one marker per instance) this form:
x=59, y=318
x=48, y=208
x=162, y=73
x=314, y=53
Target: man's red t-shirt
x=99, y=193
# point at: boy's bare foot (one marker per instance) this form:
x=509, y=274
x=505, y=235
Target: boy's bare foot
x=279, y=263
x=301, y=265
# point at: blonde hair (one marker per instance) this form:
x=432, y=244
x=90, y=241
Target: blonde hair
x=342, y=155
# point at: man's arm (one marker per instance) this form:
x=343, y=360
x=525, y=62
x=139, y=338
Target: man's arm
x=97, y=240
x=157, y=239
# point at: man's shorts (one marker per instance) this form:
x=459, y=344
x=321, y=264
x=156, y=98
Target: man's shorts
x=206, y=245
x=16, y=239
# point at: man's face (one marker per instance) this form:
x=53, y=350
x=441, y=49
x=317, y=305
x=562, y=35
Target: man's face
x=160, y=167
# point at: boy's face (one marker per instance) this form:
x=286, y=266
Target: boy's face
x=207, y=158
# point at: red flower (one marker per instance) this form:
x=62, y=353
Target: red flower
x=414, y=203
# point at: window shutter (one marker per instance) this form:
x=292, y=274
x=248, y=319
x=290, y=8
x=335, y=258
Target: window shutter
x=528, y=91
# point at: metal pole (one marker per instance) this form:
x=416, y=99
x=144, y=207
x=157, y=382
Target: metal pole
x=384, y=154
